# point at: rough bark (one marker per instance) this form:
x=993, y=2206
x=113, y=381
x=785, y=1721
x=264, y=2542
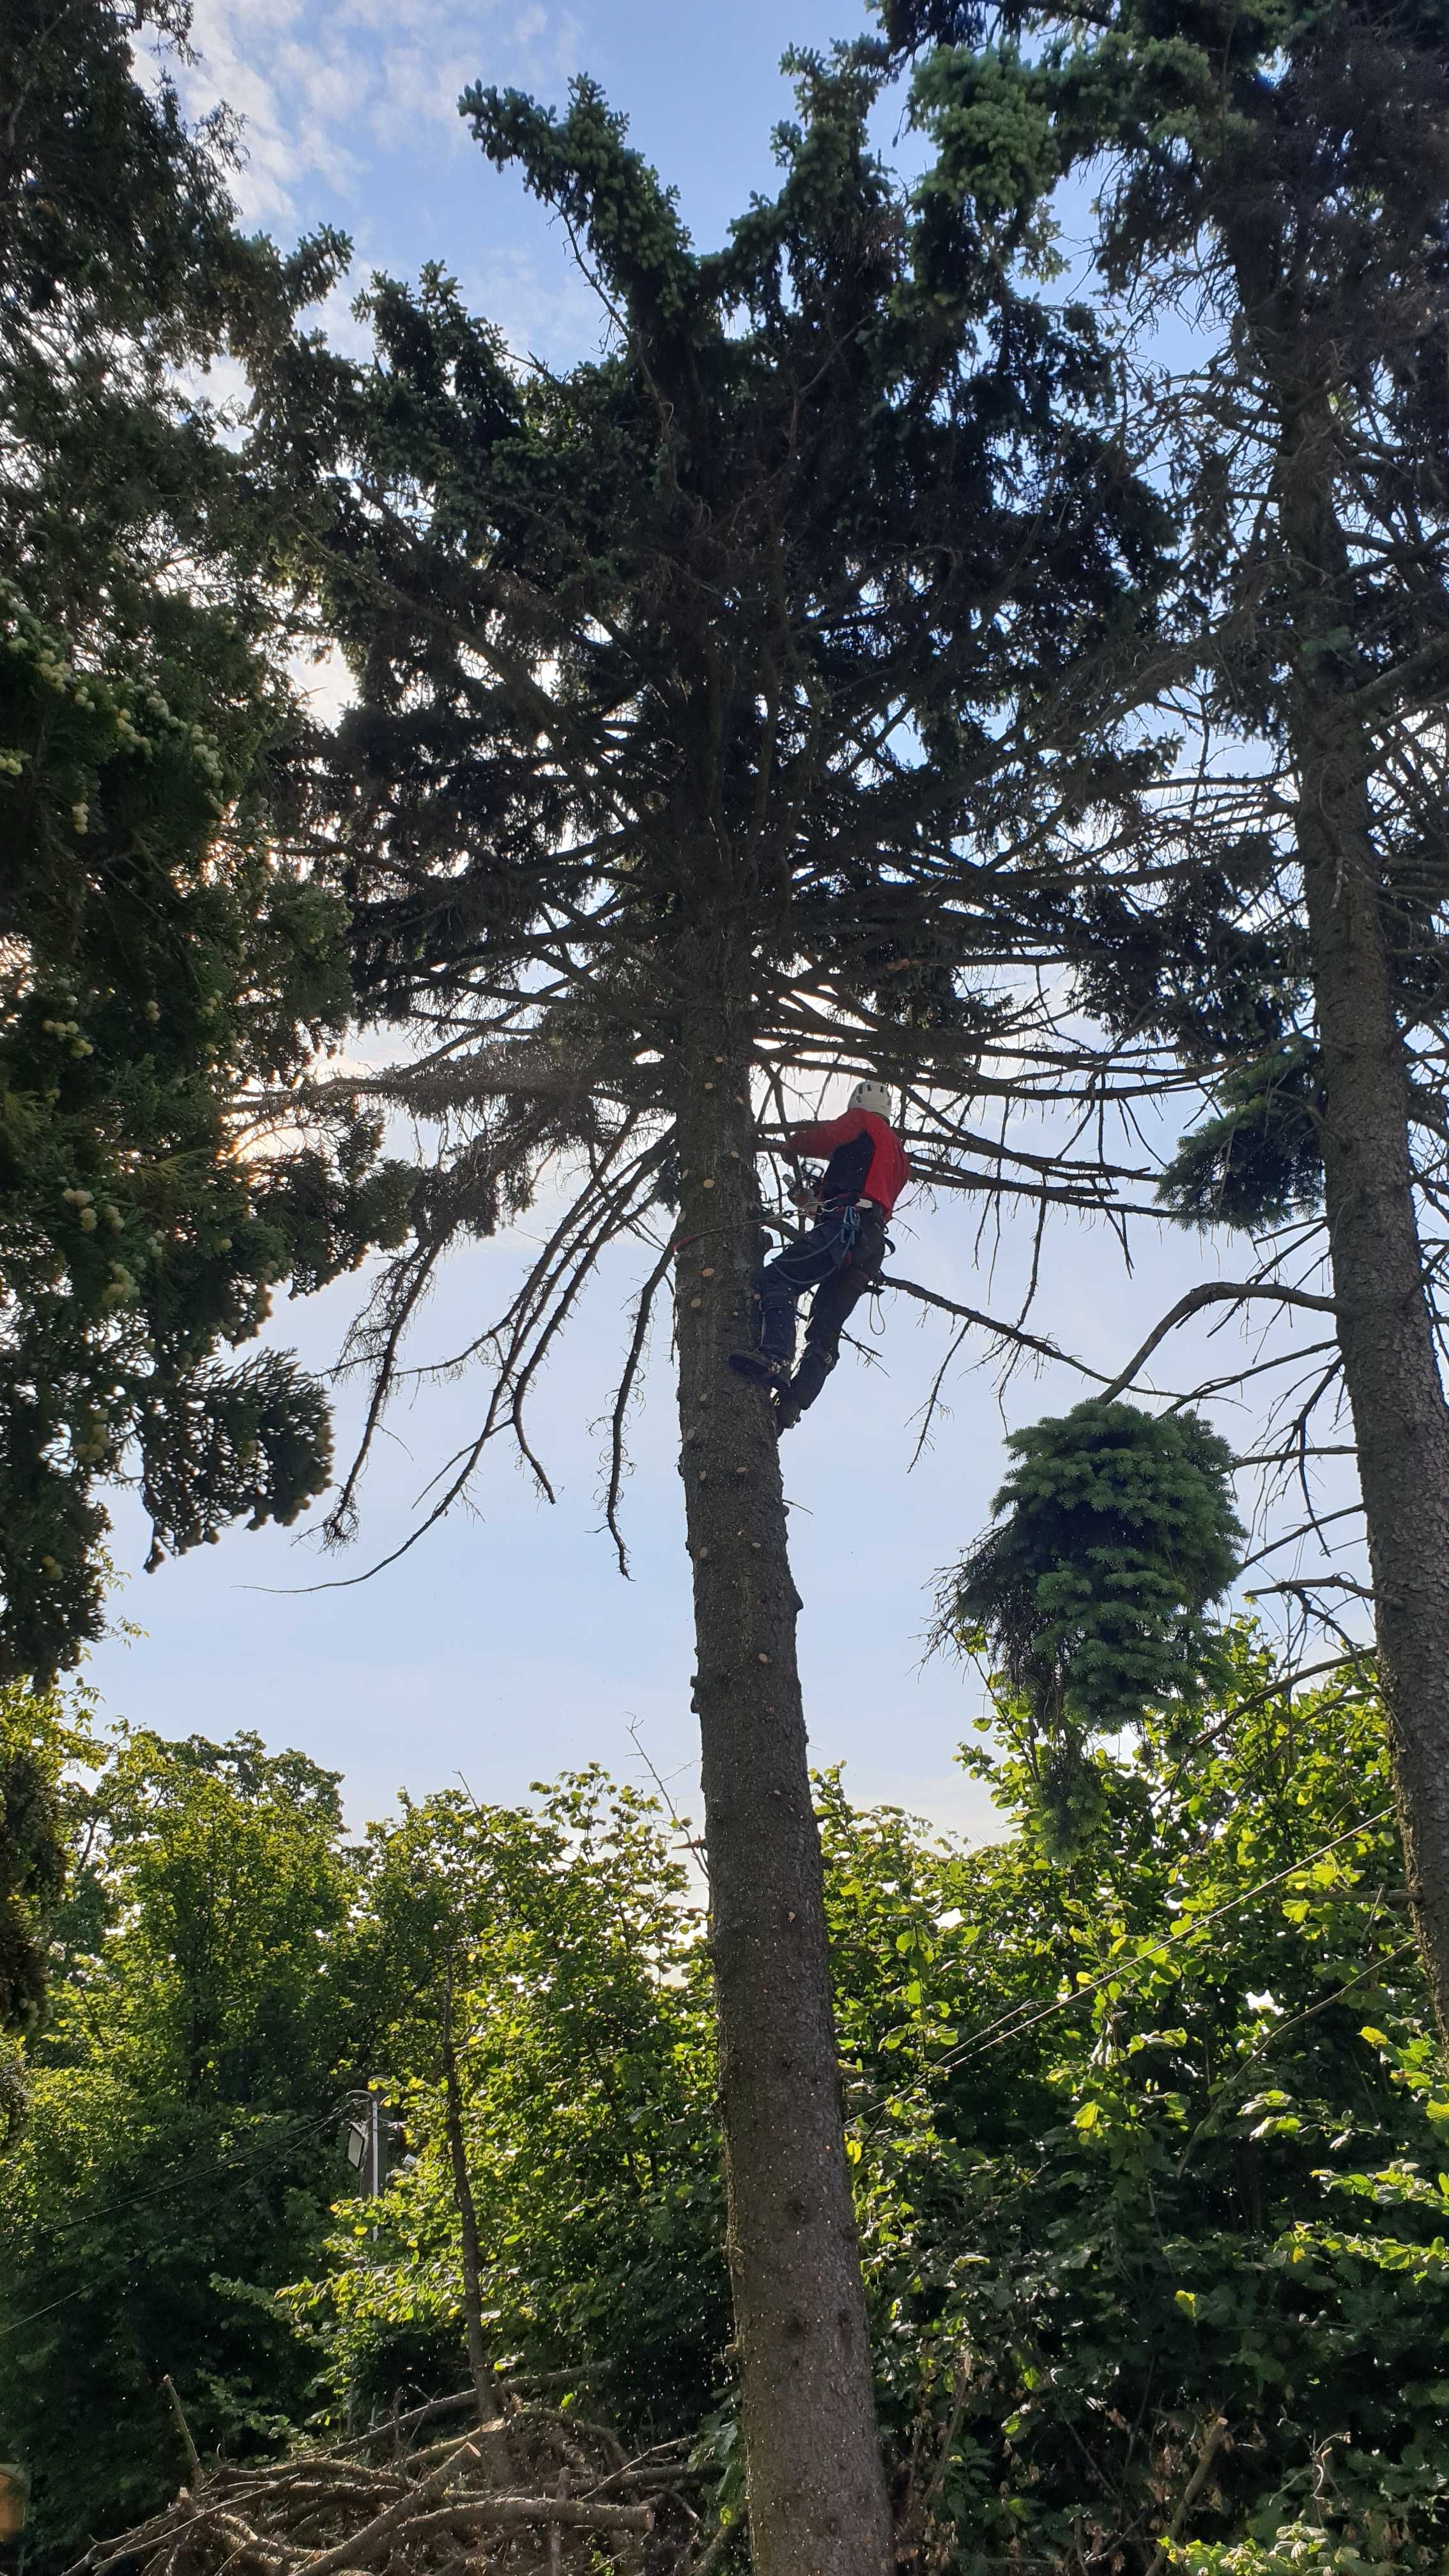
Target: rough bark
x=813, y=2472
x=1385, y=1327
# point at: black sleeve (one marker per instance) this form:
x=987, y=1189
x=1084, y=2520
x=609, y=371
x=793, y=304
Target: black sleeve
x=846, y=1170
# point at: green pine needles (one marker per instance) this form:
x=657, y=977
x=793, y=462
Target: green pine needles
x=1257, y=1161
x=1114, y=1534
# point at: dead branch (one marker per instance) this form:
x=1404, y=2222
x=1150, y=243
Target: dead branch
x=193, y=2461
x=487, y=2499
x=362, y=2545
x=1213, y=1292
x=1003, y=1334
x=512, y=2512
x=1213, y=2439
x=625, y=1389
x=1305, y=1583
x=393, y=2425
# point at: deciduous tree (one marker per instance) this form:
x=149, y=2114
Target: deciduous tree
x=180, y=2140
x=155, y=958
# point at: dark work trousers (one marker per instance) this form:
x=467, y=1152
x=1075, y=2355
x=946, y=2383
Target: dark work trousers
x=840, y=1260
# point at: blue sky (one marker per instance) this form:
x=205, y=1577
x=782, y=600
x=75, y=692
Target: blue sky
x=506, y=1646
x=351, y=118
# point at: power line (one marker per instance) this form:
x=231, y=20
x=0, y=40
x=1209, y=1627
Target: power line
x=225, y=2164
x=175, y=2180
x=1010, y=2025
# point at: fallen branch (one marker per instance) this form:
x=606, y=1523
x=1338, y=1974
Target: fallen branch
x=193, y=2459
x=392, y=2425
x=363, y=2545
x=509, y=2512
x=534, y=2484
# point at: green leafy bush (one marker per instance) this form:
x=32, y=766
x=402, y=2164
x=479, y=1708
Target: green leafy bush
x=1150, y=2136
x=1147, y=2137
x=587, y=2076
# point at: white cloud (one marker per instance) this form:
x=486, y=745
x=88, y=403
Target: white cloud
x=317, y=85
x=417, y=86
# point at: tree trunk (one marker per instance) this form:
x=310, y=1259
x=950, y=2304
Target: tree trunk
x=812, y=2457
x=1385, y=1327
x=484, y=2385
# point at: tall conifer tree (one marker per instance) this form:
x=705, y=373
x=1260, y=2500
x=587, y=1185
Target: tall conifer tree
x=723, y=706
x=1281, y=174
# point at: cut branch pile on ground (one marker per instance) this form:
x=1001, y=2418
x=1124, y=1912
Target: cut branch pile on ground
x=538, y=2492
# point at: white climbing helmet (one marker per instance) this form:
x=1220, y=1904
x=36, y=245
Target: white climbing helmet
x=874, y=1097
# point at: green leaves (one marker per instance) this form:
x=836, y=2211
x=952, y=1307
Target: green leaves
x=157, y=957
x=1139, y=2176
x=1115, y=2191
x=586, y=2069
x=40, y=1740
x=179, y=2147
x=154, y=963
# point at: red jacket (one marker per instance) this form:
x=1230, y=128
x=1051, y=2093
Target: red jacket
x=880, y=1174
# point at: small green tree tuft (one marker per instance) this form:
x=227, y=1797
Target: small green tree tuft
x=1257, y=1161
x=1114, y=1533
x=39, y=1738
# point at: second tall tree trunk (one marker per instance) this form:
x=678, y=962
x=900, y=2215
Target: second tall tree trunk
x=813, y=2472
x=1385, y=1329
x=1385, y=1325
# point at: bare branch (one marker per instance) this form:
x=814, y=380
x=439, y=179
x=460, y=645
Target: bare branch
x=647, y=1296
x=1001, y=1333
x=1213, y=1292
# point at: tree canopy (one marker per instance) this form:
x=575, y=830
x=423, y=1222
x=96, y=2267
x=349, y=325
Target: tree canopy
x=1281, y=175
x=1145, y=2138
x=156, y=956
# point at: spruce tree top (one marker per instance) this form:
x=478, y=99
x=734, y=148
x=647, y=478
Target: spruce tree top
x=749, y=615
x=763, y=666
x=1115, y=1533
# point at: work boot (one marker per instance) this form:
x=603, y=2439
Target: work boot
x=809, y=1378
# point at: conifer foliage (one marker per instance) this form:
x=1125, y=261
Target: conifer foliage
x=688, y=749
x=1285, y=170
x=1115, y=1533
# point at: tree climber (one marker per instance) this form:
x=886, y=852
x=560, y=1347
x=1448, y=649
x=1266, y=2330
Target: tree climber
x=839, y=1255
